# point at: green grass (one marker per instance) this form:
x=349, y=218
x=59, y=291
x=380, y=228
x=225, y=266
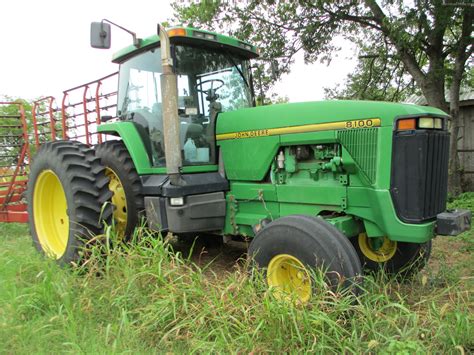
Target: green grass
x=465, y=201
x=147, y=298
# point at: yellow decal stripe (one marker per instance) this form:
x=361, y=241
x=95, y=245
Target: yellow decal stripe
x=365, y=123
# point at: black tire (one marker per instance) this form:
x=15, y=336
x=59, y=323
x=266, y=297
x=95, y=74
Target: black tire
x=315, y=243
x=115, y=156
x=74, y=167
x=408, y=260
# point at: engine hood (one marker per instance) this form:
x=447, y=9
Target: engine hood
x=335, y=113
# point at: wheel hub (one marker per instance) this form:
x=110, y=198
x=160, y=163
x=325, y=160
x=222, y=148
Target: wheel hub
x=51, y=220
x=384, y=252
x=119, y=200
x=289, y=276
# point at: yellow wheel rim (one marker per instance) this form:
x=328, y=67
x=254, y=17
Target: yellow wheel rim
x=380, y=255
x=50, y=214
x=289, y=276
x=118, y=200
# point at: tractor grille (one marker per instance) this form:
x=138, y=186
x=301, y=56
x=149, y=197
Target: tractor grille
x=419, y=174
x=362, y=146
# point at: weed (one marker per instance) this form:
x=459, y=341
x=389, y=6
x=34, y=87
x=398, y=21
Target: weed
x=147, y=297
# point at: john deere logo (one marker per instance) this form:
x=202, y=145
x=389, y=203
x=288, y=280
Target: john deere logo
x=364, y=123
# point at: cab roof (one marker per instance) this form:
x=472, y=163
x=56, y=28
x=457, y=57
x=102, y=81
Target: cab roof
x=189, y=35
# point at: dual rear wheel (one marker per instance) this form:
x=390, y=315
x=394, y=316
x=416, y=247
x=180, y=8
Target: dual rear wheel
x=68, y=199
x=75, y=191
x=124, y=184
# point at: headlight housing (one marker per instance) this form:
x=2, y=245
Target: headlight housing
x=413, y=123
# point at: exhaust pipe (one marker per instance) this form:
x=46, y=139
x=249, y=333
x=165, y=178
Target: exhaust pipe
x=169, y=97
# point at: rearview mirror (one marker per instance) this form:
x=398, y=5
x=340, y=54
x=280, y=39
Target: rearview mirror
x=100, y=35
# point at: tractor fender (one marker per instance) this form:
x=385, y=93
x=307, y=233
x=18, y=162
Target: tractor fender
x=137, y=142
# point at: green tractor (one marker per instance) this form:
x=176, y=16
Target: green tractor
x=335, y=185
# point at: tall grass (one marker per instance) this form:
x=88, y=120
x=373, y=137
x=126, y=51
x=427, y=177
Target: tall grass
x=146, y=297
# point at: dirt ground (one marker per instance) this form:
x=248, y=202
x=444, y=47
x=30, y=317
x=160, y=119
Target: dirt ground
x=448, y=253
x=210, y=249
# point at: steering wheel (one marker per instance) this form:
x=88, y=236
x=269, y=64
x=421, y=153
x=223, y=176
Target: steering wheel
x=199, y=86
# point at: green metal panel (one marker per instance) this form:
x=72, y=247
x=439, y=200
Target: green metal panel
x=249, y=159
x=248, y=204
x=132, y=140
x=251, y=212
x=254, y=191
x=376, y=206
x=378, y=211
x=372, y=229
x=348, y=225
x=328, y=197
x=288, y=209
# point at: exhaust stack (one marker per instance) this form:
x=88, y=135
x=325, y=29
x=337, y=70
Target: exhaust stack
x=169, y=97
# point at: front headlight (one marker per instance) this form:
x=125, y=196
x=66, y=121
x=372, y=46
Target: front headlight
x=426, y=122
x=438, y=123
x=410, y=124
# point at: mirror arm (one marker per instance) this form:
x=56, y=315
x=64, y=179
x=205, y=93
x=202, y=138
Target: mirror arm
x=136, y=41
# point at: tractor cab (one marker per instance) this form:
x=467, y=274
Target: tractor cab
x=211, y=77
x=172, y=86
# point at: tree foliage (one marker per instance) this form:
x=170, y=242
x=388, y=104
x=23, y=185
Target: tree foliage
x=11, y=133
x=422, y=46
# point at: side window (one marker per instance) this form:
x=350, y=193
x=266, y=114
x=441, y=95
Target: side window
x=140, y=100
x=139, y=94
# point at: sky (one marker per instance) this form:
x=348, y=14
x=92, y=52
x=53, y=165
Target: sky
x=45, y=47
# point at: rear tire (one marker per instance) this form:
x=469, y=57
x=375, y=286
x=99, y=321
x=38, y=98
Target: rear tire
x=125, y=185
x=407, y=260
x=290, y=247
x=68, y=199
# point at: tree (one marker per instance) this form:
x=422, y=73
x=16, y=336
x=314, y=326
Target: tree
x=423, y=45
x=379, y=77
x=12, y=140
x=10, y=132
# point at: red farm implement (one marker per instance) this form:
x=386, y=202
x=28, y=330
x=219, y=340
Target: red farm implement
x=14, y=159
x=80, y=111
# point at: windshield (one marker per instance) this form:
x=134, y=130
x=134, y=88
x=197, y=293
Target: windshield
x=209, y=81
x=200, y=69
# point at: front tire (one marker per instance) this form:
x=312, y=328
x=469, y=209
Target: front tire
x=289, y=248
x=68, y=199
x=125, y=185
